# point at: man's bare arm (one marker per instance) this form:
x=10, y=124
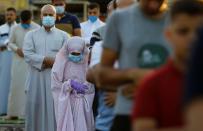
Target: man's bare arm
x=91, y=79
x=107, y=74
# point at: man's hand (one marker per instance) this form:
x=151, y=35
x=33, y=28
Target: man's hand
x=48, y=62
x=110, y=98
x=20, y=52
x=136, y=74
x=90, y=76
x=129, y=91
x=3, y=48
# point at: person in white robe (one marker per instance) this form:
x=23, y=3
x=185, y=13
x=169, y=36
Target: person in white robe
x=5, y=59
x=93, y=23
x=40, y=48
x=16, y=101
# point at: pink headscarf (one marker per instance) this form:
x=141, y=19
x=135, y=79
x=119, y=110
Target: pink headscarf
x=67, y=69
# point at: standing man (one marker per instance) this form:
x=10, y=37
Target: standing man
x=5, y=59
x=16, y=104
x=93, y=23
x=71, y=22
x=135, y=38
x=40, y=48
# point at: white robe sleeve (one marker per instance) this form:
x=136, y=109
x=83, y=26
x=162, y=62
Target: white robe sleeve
x=66, y=37
x=85, y=33
x=96, y=53
x=11, y=44
x=30, y=56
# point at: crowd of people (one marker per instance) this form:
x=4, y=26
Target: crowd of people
x=139, y=71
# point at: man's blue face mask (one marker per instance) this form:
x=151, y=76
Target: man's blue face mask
x=59, y=9
x=25, y=26
x=75, y=58
x=93, y=18
x=48, y=21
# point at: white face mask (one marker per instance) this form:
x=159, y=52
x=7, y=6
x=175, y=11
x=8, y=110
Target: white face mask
x=59, y=9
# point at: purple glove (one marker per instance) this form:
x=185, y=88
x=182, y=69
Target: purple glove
x=80, y=88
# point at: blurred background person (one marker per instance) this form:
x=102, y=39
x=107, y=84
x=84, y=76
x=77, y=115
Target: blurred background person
x=16, y=103
x=158, y=100
x=93, y=23
x=5, y=59
x=134, y=37
x=40, y=47
x=64, y=18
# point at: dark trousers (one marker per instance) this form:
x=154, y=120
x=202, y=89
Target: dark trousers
x=121, y=123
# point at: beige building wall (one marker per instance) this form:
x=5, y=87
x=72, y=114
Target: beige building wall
x=17, y=4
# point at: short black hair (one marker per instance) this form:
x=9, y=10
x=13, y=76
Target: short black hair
x=11, y=9
x=190, y=7
x=93, y=5
x=26, y=15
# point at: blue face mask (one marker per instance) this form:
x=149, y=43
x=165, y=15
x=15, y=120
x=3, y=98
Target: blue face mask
x=59, y=9
x=93, y=18
x=75, y=58
x=25, y=26
x=48, y=21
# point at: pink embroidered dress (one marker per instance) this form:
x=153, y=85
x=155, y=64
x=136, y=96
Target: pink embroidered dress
x=73, y=110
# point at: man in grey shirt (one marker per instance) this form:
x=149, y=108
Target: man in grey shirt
x=135, y=38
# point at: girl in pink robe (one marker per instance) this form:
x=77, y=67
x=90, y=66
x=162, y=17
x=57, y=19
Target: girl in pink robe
x=73, y=95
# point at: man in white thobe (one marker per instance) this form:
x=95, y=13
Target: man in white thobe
x=93, y=23
x=5, y=59
x=40, y=48
x=16, y=103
